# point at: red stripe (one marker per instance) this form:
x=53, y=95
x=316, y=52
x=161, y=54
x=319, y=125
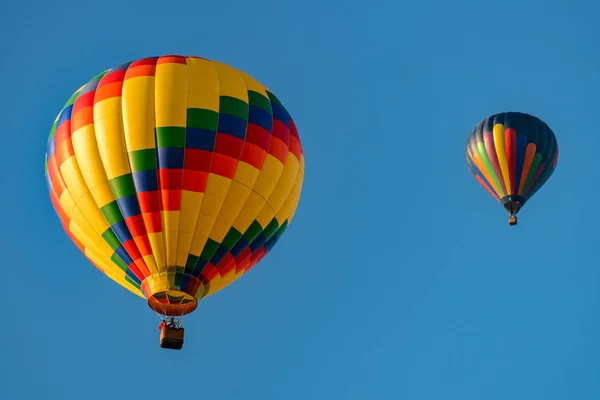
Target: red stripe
x=55, y=177
x=149, y=201
x=194, y=181
x=279, y=150
x=83, y=117
x=63, y=131
x=281, y=131
x=197, y=160
x=223, y=165
x=172, y=59
x=253, y=155
x=295, y=147
x=258, y=135
x=510, y=137
x=228, y=145
x=170, y=179
x=143, y=244
x=64, y=150
x=153, y=222
x=83, y=101
x=171, y=200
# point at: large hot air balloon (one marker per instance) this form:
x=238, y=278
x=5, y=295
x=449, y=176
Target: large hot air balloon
x=174, y=175
x=512, y=155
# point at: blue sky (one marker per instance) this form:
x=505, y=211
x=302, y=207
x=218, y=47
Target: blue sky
x=399, y=277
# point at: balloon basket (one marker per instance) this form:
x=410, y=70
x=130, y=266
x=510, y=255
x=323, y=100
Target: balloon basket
x=171, y=338
x=512, y=221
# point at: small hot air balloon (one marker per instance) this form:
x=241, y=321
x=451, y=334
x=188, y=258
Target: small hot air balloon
x=512, y=155
x=174, y=175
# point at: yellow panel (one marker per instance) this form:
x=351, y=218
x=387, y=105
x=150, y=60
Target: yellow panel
x=183, y=247
x=291, y=204
x=85, y=148
x=284, y=185
x=158, y=245
x=109, y=135
x=203, y=229
x=171, y=94
x=246, y=174
x=268, y=177
x=236, y=197
x=251, y=208
x=231, y=82
x=211, y=205
x=217, y=185
x=93, y=214
x=203, y=85
x=500, y=145
x=90, y=243
x=73, y=179
x=117, y=277
x=191, y=201
x=103, y=194
x=170, y=229
x=138, y=113
x=188, y=221
x=151, y=263
x=253, y=84
x=265, y=216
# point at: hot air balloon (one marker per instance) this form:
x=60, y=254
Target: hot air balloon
x=174, y=176
x=512, y=155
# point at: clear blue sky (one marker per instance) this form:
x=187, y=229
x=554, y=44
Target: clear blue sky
x=399, y=277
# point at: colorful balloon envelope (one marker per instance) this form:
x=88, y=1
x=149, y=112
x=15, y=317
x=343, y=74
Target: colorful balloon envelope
x=512, y=155
x=174, y=175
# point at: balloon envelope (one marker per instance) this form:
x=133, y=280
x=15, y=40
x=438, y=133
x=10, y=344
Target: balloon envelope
x=512, y=155
x=174, y=176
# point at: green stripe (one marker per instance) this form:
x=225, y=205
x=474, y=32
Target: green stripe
x=143, y=160
x=233, y=106
x=253, y=231
x=488, y=166
x=112, y=213
x=119, y=263
x=203, y=119
x=271, y=229
x=170, y=137
x=209, y=249
x=258, y=100
x=122, y=186
x=534, y=164
x=231, y=238
x=133, y=283
x=110, y=238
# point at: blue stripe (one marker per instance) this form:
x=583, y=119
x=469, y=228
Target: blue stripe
x=121, y=231
x=239, y=247
x=65, y=115
x=132, y=276
x=170, y=157
x=200, y=139
x=260, y=117
x=145, y=181
x=123, y=255
x=280, y=114
x=258, y=242
x=129, y=206
x=51, y=146
x=232, y=125
x=521, y=149
x=219, y=255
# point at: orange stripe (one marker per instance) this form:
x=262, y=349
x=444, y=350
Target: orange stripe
x=482, y=183
x=172, y=60
x=84, y=117
x=142, y=70
x=484, y=171
x=107, y=91
x=529, y=154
